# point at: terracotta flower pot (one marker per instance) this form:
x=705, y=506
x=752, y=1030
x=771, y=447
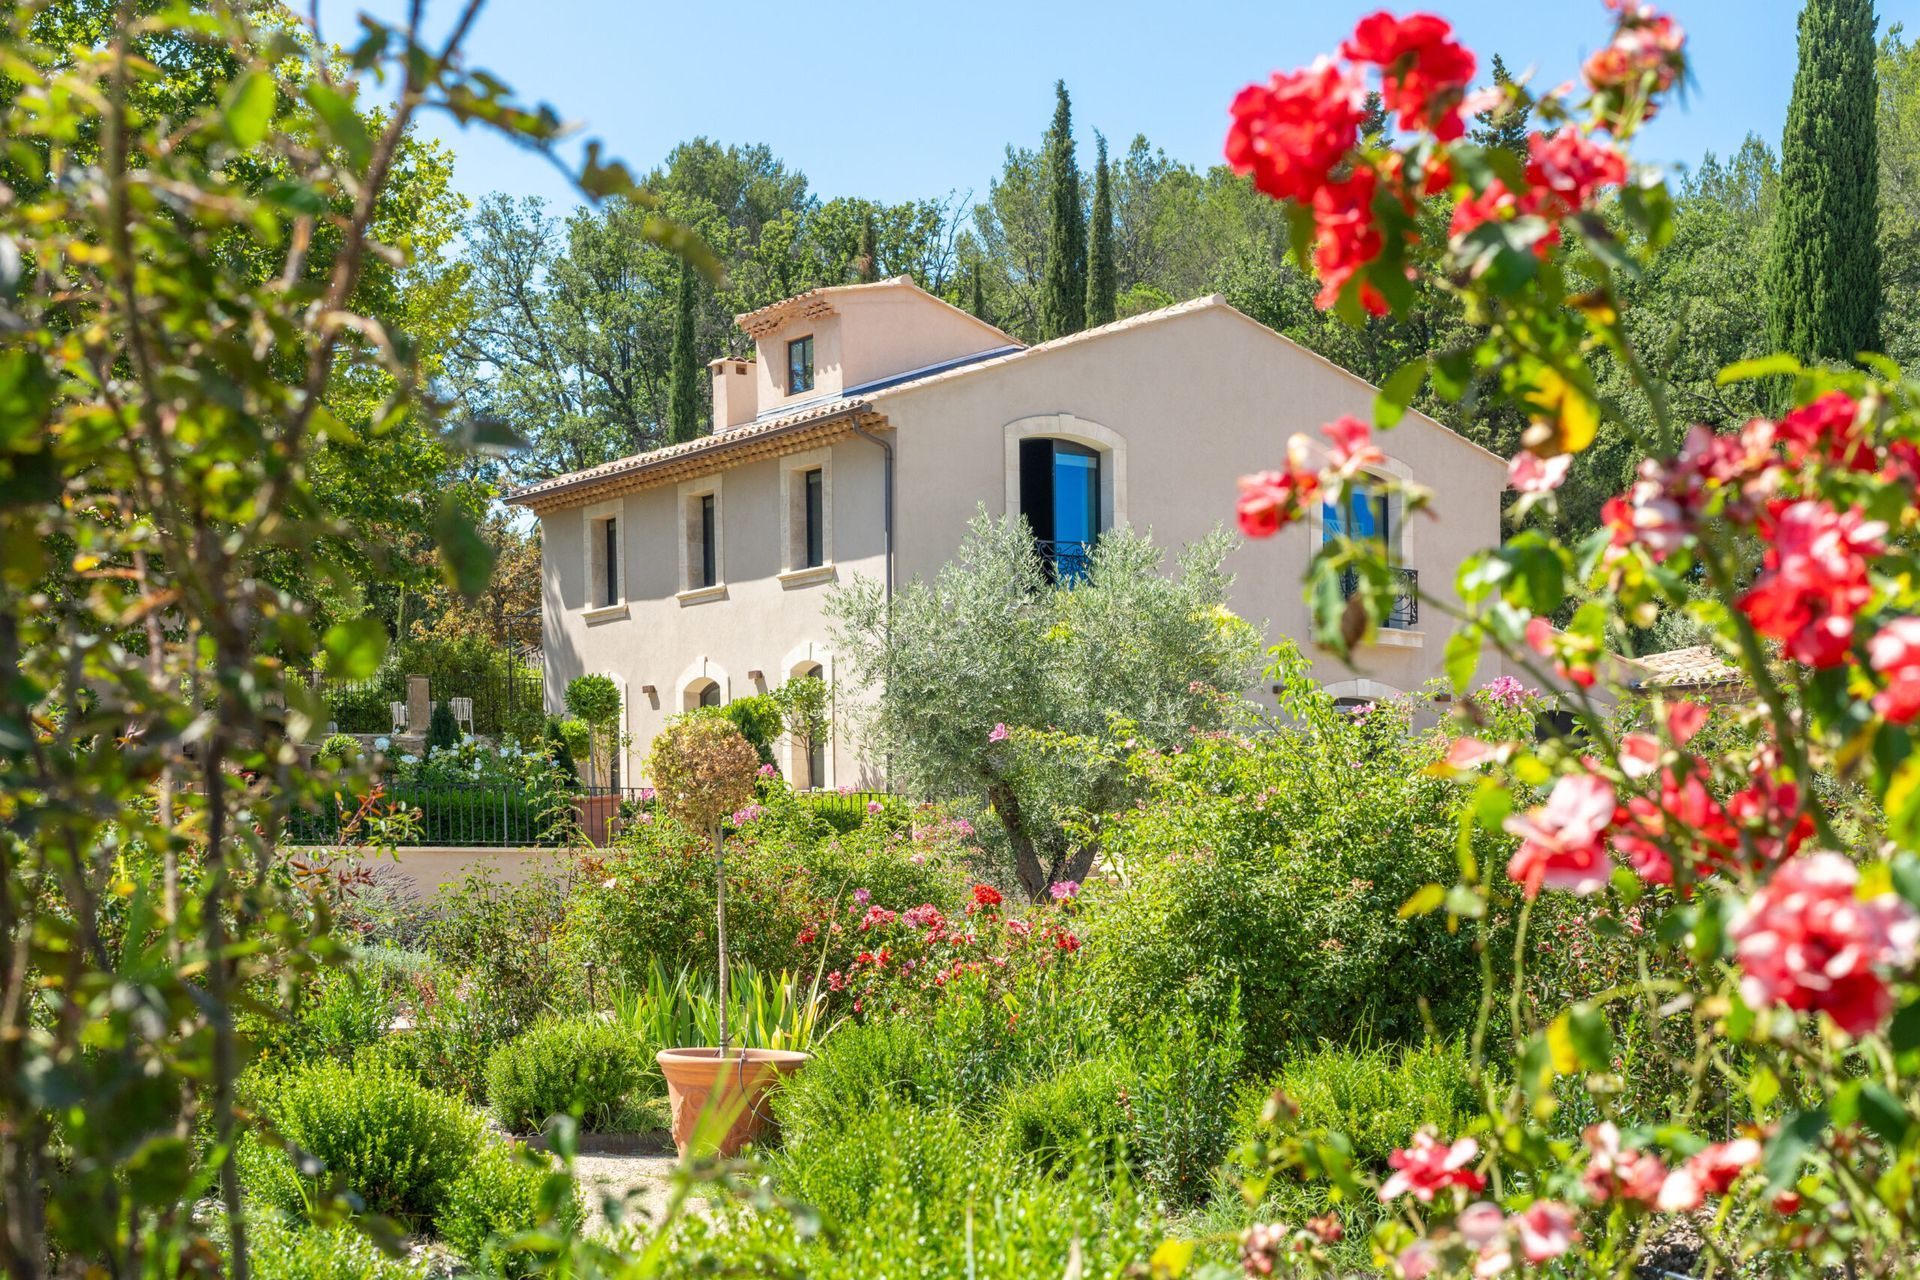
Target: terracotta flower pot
x=736, y=1087
x=596, y=816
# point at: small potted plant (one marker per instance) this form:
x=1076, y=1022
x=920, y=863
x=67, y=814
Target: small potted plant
x=702, y=769
x=594, y=700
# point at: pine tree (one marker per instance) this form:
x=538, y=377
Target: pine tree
x=1823, y=269
x=1507, y=125
x=1063, y=286
x=1101, y=283
x=1373, y=126
x=866, y=263
x=683, y=369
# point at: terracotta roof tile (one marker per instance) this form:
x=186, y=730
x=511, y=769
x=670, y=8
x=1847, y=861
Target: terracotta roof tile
x=1698, y=667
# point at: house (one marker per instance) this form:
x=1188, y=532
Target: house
x=873, y=423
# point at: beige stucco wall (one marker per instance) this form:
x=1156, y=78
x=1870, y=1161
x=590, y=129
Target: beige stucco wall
x=1184, y=406
x=757, y=622
x=1196, y=402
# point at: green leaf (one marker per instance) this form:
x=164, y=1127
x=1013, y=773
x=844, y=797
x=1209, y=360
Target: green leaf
x=1763, y=1088
x=1462, y=658
x=1397, y=392
x=466, y=561
x=247, y=111
x=1903, y=804
x=1761, y=367
x=355, y=648
x=1592, y=1037
x=1905, y=1032
x=342, y=123
x=1425, y=901
x=1790, y=1146
x=1882, y=1113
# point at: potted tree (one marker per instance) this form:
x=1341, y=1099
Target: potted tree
x=702, y=769
x=594, y=700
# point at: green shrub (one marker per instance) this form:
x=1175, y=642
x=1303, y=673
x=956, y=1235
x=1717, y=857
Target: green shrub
x=676, y=1009
x=505, y=1192
x=279, y=1250
x=759, y=720
x=1080, y=1112
x=1181, y=1112
x=1277, y=864
x=442, y=729
x=903, y=1191
x=390, y=1139
x=962, y=1055
x=336, y=1014
x=554, y=744
x=1377, y=1096
x=502, y=935
x=456, y=1027
x=339, y=748
x=579, y=1066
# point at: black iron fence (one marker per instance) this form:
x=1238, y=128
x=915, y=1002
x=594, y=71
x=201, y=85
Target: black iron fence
x=505, y=691
x=480, y=814
x=1404, y=612
x=510, y=815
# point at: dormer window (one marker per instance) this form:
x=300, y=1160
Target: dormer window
x=800, y=365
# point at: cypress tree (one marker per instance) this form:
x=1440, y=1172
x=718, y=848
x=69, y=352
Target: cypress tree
x=1063, y=287
x=1101, y=284
x=683, y=369
x=978, y=303
x=866, y=263
x=1506, y=125
x=1823, y=268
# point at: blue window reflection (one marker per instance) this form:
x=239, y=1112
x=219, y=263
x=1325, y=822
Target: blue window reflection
x=1060, y=498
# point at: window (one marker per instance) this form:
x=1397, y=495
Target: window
x=702, y=537
x=817, y=747
x=1368, y=515
x=800, y=365
x=1060, y=498
x=604, y=588
x=610, y=585
x=710, y=694
x=816, y=518
x=1365, y=517
x=709, y=560
x=806, y=518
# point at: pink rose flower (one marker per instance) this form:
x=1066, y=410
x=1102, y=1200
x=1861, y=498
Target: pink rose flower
x=1530, y=473
x=1563, y=843
x=999, y=733
x=1546, y=1230
x=1806, y=941
x=1428, y=1167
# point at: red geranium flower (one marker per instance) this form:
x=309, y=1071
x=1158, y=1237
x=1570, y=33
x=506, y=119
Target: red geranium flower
x=1291, y=132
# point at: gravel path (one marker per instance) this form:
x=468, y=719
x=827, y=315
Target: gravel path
x=645, y=1181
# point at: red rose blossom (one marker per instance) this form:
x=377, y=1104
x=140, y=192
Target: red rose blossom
x=1424, y=71
x=1808, y=942
x=1563, y=842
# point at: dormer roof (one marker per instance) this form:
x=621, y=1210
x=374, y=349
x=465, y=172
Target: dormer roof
x=827, y=300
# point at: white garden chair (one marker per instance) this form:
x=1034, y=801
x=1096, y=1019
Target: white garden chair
x=399, y=710
x=462, y=712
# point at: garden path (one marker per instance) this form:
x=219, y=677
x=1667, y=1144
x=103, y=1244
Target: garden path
x=651, y=1176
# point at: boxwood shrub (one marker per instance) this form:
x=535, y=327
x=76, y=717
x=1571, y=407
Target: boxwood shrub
x=565, y=1066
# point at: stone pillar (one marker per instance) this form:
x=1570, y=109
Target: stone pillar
x=419, y=705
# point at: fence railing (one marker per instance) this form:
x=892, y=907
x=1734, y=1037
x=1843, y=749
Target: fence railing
x=1065, y=562
x=507, y=693
x=509, y=815
x=477, y=815
x=1404, y=613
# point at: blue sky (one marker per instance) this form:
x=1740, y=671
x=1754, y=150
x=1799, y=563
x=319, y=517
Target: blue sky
x=901, y=100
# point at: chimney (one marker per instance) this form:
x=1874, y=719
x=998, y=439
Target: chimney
x=734, y=402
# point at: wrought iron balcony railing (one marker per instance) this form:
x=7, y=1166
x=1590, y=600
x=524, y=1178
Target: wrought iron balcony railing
x=1404, y=613
x=1065, y=562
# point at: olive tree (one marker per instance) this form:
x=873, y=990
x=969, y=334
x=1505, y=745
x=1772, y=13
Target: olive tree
x=996, y=683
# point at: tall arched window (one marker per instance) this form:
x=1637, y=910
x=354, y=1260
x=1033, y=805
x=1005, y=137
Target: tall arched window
x=1368, y=513
x=1060, y=498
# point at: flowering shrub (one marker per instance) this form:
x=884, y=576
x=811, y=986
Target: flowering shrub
x=1746, y=876
x=1276, y=860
